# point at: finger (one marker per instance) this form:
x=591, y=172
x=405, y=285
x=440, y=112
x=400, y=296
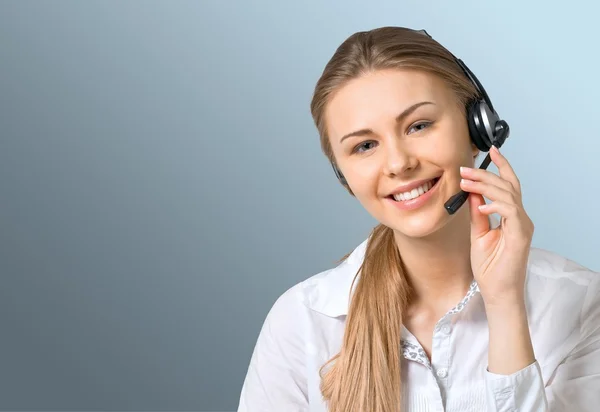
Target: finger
x=504, y=168
x=485, y=176
x=506, y=210
x=490, y=191
x=480, y=224
x=513, y=216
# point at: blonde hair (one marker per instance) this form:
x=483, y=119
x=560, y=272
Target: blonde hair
x=365, y=374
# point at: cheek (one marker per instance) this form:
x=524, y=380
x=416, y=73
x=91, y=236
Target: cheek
x=452, y=149
x=364, y=179
x=367, y=170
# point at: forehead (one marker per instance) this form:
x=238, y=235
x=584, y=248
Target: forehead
x=380, y=96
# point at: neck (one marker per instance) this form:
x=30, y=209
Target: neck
x=438, y=266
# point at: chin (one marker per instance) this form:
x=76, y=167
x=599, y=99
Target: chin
x=418, y=229
x=419, y=225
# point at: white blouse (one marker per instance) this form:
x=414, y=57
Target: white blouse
x=305, y=326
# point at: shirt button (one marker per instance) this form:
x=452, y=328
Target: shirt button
x=442, y=373
x=446, y=329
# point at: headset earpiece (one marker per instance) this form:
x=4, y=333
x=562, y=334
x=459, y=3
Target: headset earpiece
x=339, y=175
x=482, y=123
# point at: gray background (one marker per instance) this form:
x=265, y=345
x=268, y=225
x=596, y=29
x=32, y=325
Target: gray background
x=162, y=182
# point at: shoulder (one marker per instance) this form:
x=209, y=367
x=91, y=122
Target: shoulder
x=552, y=277
x=326, y=293
x=549, y=271
x=544, y=261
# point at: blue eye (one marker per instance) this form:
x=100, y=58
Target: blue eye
x=356, y=149
x=418, y=126
x=425, y=124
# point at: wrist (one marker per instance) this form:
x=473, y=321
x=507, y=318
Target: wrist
x=507, y=317
x=506, y=304
x=510, y=346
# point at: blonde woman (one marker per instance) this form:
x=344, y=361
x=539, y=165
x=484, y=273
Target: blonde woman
x=441, y=308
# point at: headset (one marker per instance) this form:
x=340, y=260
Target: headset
x=486, y=129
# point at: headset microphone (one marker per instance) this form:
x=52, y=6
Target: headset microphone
x=456, y=201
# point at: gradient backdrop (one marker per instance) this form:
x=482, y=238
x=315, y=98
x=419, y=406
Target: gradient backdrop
x=162, y=181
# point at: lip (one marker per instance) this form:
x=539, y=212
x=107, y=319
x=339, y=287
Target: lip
x=415, y=203
x=411, y=186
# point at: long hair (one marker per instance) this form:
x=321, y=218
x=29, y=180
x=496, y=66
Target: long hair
x=365, y=374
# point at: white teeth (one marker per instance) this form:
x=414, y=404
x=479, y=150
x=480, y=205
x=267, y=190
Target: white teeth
x=415, y=192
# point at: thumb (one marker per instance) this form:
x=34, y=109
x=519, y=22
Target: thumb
x=480, y=224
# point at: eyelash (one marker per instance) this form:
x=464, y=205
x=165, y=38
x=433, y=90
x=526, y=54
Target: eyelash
x=426, y=124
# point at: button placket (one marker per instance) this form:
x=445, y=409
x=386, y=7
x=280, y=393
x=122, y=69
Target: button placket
x=440, y=361
x=441, y=349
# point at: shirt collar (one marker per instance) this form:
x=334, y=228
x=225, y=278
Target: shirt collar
x=329, y=292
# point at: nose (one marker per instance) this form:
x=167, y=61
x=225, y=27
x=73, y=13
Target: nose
x=398, y=159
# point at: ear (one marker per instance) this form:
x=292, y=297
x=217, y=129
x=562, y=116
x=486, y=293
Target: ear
x=474, y=151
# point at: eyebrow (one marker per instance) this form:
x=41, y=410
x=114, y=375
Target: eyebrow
x=400, y=118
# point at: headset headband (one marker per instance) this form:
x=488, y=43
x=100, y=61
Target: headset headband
x=468, y=72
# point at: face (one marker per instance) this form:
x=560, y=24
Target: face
x=428, y=142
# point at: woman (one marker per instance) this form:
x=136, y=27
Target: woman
x=435, y=311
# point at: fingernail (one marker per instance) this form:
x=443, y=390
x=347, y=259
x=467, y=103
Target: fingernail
x=496, y=149
x=482, y=207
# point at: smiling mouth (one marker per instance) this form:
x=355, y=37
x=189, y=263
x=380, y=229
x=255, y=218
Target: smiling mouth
x=415, y=194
